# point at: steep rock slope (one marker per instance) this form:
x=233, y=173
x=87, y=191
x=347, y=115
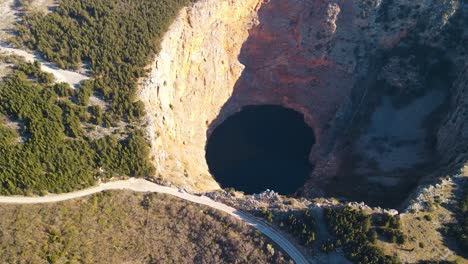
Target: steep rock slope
x=192, y=77
x=380, y=82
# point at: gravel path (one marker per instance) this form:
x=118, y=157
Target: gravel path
x=70, y=77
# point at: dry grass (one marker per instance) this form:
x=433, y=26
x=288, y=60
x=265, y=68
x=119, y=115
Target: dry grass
x=4, y=69
x=8, y=18
x=9, y=15
x=43, y=6
x=424, y=232
x=124, y=227
x=425, y=241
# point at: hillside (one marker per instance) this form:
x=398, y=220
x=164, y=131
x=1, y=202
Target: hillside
x=344, y=124
x=71, y=137
x=124, y=227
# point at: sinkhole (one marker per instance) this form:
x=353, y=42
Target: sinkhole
x=261, y=147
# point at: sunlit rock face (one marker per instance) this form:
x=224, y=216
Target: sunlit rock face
x=221, y=55
x=356, y=70
x=190, y=80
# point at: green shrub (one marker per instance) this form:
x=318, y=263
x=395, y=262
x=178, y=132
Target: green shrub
x=63, y=89
x=7, y=135
x=97, y=114
x=387, y=220
x=57, y=156
x=267, y=214
x=84, y=93
x=117, y=38
x=301, y=225
x=352, y=229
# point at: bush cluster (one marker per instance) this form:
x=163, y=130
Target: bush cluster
x=301, y=226
x=388, y=226
x=116, y=39
x=47, y=160
x=353, y=232
x=56, y=154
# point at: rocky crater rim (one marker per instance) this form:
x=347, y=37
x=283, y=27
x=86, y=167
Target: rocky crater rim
x=190, y=80
x=220, y=56
x=355, y=74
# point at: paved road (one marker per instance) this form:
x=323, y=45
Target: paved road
x=140, y=185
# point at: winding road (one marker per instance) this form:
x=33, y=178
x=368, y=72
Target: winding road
x=140, y=185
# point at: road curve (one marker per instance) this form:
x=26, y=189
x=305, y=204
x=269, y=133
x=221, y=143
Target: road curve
x=140, y=185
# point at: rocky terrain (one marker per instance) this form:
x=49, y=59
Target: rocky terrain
x=191, y=79
x=382, y=84
x=422, y=221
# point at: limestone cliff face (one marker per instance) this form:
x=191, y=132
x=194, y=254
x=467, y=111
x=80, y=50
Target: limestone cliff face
x=219, y=56
x=191, y=79
x=359, y=71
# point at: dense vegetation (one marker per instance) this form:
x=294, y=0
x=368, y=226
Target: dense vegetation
x=301, y=225
x=128, y=228
x=54, y=150
x=388, y=227
x=56, y=155
x=354, y=234
x=115, y=38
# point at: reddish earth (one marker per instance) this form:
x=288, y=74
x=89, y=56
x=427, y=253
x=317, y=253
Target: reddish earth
x=320, y=59
x=284, y=67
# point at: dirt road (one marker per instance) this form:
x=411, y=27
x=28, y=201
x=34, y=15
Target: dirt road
x=140, y=185
x=70, y=77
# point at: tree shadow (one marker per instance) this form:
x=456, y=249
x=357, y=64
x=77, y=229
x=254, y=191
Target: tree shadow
x=452, y=233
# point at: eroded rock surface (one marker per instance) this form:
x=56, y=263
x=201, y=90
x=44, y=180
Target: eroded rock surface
x=382, y=83
x=191, y=79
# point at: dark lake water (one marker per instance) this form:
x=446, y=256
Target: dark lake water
x=259, y=148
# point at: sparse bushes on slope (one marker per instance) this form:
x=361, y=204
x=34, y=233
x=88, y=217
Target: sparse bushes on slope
x=460, y=230
x=300, y=224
